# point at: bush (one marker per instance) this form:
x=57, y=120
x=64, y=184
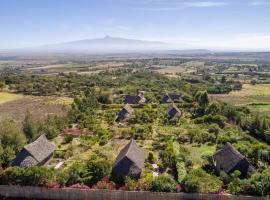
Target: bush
x=141, y=132
x=67, y=139
x=31, y=176
x=198, y=181
x=163, y=183
x=257, y=185
x=142, y=184
x=218, y=119
x=104, y=184
x=97, y=169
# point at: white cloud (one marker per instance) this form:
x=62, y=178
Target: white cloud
x=161, y=5
x=204, y=4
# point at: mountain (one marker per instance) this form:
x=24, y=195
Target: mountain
x=107, y=45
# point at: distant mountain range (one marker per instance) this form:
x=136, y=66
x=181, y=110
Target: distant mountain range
x=113, y=45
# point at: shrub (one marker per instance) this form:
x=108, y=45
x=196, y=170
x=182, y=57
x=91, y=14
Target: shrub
x=67, y=139
x=32, y=176
x=163, y=183
x=96, y=170
x=104, y=184
x=141, y=131
x=198, y=181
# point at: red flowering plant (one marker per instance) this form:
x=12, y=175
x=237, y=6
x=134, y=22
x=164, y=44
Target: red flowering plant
x=179, y=188
x=104, y=184
x=79, y=186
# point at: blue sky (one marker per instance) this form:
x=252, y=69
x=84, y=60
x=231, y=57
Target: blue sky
x=216, y=24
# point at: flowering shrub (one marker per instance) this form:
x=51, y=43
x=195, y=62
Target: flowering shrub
x=179, y=188
x=79, y=186
x=105, y=184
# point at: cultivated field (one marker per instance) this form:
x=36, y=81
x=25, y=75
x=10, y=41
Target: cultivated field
x=256, y=97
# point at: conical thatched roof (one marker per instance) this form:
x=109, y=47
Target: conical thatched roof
x=173, y=111
x=130, y=160
x=136, y=99
x=170, y=98
x=35, y=153
x=125, y=112
x=229, y=159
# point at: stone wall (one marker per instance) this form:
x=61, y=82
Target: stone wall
x=76, y=194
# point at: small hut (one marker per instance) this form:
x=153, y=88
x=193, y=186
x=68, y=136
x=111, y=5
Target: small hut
x=174, y=112
x=135, y=99
x=125, y=113
x=170, y=98
x=228, y=159
x=130, y=161
x=37, y=153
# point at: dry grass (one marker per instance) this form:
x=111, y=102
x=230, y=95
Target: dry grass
x=249, y=94
x=39, y=107
x=6, y=97
x=255, y=97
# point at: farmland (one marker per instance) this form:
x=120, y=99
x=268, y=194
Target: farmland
x=256, y=97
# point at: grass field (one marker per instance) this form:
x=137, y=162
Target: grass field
x=14, y=107
x=6, y=97
x=196, y=152
x=256, y=97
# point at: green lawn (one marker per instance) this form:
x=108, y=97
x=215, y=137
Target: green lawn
x=196, y=152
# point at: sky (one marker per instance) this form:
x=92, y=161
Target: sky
x=212, y=24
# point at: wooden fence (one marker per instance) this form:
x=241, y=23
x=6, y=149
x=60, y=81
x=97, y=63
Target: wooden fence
x=77, y=194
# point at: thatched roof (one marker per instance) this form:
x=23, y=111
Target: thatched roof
x=170, y=98
x=136, y=99
x=35, y=153
x=229, y=159
x=174, y=112
x=130, y=161
x=125, y=112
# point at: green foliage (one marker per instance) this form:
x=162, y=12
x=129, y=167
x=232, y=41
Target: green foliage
x=67, y=139
x=141, y=132
x=181, y=171
x=31, y=176
x=29, y=127
x=202, y=98
x=2, y=85
x=142, y=116
x=218, y=119
x=12, y=140
x=163, y=183
x=88, y=173
x=198, y=181
x=151, y=157
x=257, y=185
x=234, y=186
x=97, y=169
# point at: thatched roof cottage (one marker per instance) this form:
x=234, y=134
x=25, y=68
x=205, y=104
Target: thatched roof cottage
x=170, y=98
x=174, y=112
x=37, y=153
x=229, y=159
x=130, y=161
x=125, y=113
x=137, y=99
